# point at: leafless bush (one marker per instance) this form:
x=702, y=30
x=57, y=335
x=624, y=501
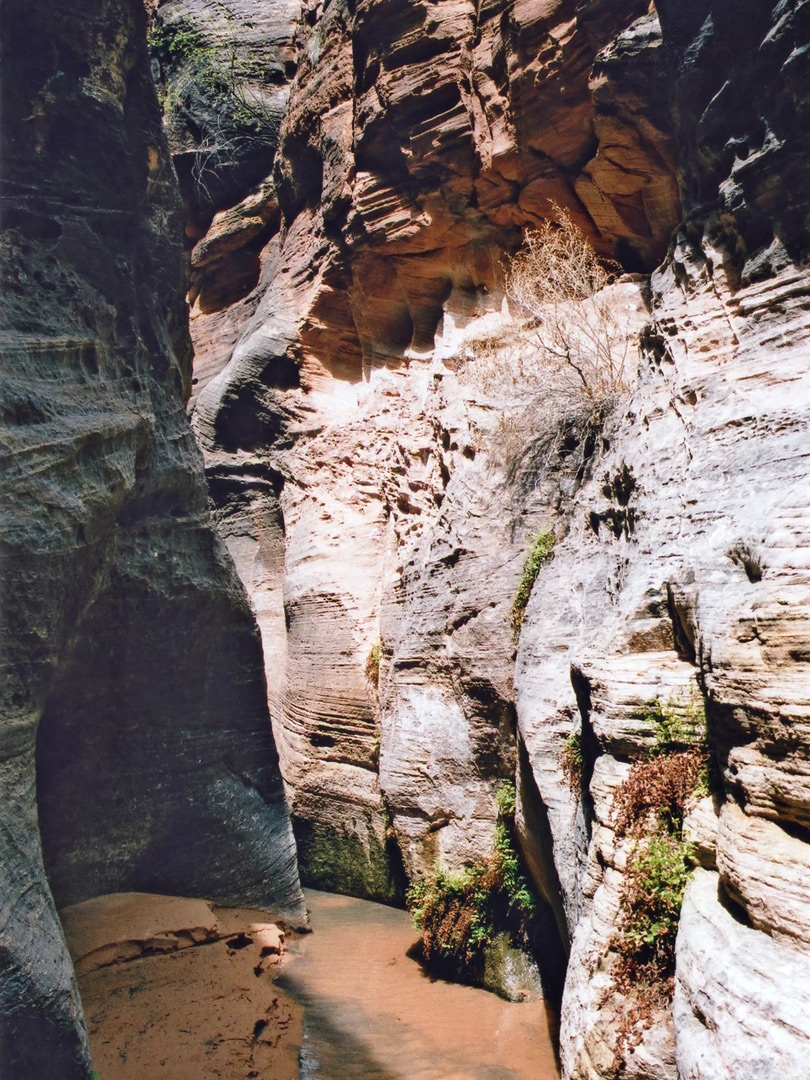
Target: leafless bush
x=560, y=365
x=559, y=283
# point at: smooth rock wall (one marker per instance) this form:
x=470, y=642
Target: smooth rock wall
x=135, y=748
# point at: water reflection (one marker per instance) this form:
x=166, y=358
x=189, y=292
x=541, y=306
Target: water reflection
x=370, y=1013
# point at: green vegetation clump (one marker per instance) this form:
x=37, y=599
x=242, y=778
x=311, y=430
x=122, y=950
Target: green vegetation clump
x=217, y=92
x=373, y=664
x=678, y=724
x=657, y=878
x=375, y=748
x=650, y=806
x=571, y=760
x=540, y=553
x=505, y=798
x=459, y=914
x=181, y=44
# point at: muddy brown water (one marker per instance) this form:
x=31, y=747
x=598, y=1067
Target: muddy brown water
x=346, y=1002
x=371, y=1013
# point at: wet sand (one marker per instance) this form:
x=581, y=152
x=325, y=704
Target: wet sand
x=208, y=1010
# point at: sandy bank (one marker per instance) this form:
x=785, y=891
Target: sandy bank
x=178, y=989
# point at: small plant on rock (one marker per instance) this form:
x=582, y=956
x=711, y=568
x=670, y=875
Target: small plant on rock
x=373, y=664
x=459, y=914
x=375, y=749
x=649, y=807
x=678, y=723
x=539, y=554
x=655, y=793
x=571, y=760
x=651, y=907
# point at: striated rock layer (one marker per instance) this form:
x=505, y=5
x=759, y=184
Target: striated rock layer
x=371, y=493
x=135, y=747
x=350, y=466
x=704, y=585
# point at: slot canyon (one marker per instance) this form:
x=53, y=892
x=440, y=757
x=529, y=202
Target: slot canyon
x=343, y=559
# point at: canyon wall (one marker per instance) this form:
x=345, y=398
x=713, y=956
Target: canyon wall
x=352, y=177
x=350, y=463
x=379, y=502
x=135, y=746
x=704, y=586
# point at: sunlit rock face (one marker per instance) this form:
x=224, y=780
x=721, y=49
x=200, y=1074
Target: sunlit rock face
x=135, y=743
x=365, y=489
x=706, y=582
x=351, y=469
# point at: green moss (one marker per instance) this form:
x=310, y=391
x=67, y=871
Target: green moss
x=539, y=554
x=337, y=860
x=459, y=915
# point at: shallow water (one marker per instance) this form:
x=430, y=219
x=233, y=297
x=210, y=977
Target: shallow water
x=371, y=1013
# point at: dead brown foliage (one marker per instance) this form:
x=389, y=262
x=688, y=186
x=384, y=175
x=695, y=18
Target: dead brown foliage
x=656, y=791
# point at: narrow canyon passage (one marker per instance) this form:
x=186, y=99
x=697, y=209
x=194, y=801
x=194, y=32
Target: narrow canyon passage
x=404, y=495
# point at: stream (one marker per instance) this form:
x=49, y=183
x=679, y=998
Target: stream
x=370, y=1012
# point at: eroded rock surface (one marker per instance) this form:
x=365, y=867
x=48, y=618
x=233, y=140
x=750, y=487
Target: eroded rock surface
x=370, y=498
x=136, y=750
x=708, y=563
x=417, y=144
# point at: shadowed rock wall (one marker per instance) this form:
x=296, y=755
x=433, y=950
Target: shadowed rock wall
x=135, y=749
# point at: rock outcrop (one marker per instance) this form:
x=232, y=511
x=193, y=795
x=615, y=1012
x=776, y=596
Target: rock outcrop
x=704, y=584
x=372, y=496
x=135, y=745
x=348, y=463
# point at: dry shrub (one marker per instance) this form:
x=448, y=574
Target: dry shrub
x=559, y=283
x=558, y=368
x=656, y=792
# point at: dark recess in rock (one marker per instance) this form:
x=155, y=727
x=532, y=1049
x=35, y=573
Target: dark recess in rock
x=127, y=639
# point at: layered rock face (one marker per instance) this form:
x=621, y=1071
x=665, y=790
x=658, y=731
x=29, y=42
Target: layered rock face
x=371, y=497
x=135, y=745
x=703, y=585
x=349, y=465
